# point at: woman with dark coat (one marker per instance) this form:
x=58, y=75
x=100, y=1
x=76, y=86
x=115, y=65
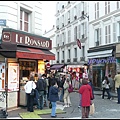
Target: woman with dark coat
x=53, y=97
x=86, y=92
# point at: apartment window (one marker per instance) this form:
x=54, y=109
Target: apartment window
x=62, y=18
x=75, y=33
x=117, y=4
x=96, y=10
x=98, y=36
x=69, y=54
x=83, y=51
x=82, y=29
x=75, y=11
x=82, y=6
x=107, y=7
x=62, y=55
x=58, y=56
x=68, y=15
x=24, y=20
x=107, y=34
x=57, y=40
x=75, y=51
x=58, y=21
x=69, y=36
x=63, y=36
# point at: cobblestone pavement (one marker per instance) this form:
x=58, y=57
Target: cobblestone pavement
x=103, y=108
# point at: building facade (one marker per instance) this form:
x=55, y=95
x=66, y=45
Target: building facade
x=71, y=25
x=51, y=34
x=104, y=31
x=22, y=49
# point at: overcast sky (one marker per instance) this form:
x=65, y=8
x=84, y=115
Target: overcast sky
x=48, y=14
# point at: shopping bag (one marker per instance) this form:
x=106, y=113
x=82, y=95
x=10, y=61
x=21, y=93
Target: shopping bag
x=92, y=109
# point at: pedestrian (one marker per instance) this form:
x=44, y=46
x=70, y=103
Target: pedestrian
x=90, y=83
x=86, y=92
x=117, y=85
x=30, y=99
x=45, y=90
x=111, y=82
x=53, y=97
x=106, y=87
x=80, y=84
x=67, y=101
x=62, y=80
x=40, y=88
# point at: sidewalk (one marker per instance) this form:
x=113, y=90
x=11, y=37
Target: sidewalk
x=14, y=114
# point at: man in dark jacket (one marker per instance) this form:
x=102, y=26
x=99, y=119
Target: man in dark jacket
x=53, y=97
x=40, y=87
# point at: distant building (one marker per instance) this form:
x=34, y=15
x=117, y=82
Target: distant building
x=104, y=38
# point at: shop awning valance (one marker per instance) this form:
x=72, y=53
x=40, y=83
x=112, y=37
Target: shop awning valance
x=100, y=54
x=56, y=67
x=25, y=52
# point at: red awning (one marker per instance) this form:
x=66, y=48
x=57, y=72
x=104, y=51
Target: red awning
x=32, y=53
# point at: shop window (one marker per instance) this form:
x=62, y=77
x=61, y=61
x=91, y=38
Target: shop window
x=24, y=21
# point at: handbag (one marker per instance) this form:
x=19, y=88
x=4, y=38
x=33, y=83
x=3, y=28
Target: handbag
x=92, y=109
x=70, y=89
x=32, y=91
x=50, y=105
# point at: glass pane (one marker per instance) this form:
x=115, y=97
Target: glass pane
x=26, y=16
x=26, y=26
x=20, y=25
x=21, y=14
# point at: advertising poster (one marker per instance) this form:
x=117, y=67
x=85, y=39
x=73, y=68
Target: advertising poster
x=13, y=76
x=2, y=76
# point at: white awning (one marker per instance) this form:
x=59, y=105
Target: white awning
x=100, y=54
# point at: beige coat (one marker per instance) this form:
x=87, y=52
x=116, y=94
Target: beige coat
x=117, y=80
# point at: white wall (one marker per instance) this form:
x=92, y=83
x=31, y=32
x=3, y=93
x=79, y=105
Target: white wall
x=10, y=10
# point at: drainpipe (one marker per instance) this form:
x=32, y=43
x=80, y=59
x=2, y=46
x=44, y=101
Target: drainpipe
x=6, y=85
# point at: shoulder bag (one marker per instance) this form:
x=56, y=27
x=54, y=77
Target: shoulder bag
x=32, y=91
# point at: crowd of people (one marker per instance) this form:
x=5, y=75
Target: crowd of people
x=51, y=88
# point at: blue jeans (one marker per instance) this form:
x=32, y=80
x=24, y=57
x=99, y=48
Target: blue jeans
x=53, y=112
x=40, y=100
x=61, y=94
x=118, y=93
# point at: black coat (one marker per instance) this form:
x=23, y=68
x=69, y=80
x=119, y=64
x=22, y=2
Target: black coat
x=53, y=94
x=40, y=85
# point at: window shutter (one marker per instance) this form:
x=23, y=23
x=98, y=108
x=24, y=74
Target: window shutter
x=108, y=6
x=117, y=4
x=64, y=37
x=85, y=29
x=100, y=42
x=71, y=14
x=60, y=39
x=85, y=7
x=105, y=34
x=114, y=32
x=109, y=31
x=95, y=10
x=78, y=10
x=60, y=22
x=79, y=31
x=74, y=34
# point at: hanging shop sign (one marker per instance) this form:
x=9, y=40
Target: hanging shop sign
x=100, y=61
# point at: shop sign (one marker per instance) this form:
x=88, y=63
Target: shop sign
x=26, y=40
x=100, y=61
x=2, y=22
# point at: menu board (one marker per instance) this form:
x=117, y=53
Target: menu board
x=13, y=76
x=2, y=76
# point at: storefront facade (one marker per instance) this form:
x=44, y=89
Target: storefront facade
x=20, y=54
x=101, y=62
